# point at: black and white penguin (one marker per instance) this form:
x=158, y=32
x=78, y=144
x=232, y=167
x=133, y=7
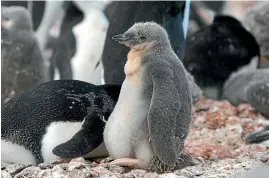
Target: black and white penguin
x=61, y=118
x=64, y=47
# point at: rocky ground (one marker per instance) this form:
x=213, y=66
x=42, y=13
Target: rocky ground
x=216, y=141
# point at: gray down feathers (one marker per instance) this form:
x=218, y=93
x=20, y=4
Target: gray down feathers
x=257, y=21
x=251, y=86
x=22, y=61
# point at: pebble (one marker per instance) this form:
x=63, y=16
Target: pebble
x=15, y=168
x=5, y=174
x=75, y=165
x=151, y=175
x=185, y=173
x=219, y=176
x=115, y=169
x=45, y=166
x=29, y=172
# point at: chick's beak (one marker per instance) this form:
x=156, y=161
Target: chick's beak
x=120, y=38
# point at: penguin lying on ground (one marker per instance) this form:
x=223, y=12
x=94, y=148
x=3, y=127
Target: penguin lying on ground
x=62, y=118
x=22, y=62
x=214, y=52
x=152, y=116
x=251, y=86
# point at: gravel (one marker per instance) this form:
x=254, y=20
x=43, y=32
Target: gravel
x=215, y=140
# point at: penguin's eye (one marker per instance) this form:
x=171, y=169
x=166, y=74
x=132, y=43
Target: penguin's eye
x=142, y=37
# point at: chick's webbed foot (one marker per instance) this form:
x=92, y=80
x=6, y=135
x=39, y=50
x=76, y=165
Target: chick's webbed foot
x=126, y=162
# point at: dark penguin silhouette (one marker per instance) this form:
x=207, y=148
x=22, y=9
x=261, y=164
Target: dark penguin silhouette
x=22, y=61
x=121, y=15
x=214, y=52
x=62, y=118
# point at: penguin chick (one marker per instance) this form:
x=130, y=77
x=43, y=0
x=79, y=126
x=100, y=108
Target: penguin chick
x=152, y=116
x=214, y=52
x=258, y=136
x=22, y=61
x=61, y=118
x=251, y=86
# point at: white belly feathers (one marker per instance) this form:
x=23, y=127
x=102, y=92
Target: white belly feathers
x=127, y=117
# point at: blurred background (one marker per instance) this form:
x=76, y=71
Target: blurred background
x=72, y=40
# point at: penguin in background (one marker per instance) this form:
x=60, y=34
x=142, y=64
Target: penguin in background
x=22, y=61
x=64, y=47
x=36, y=9
x=214, y=52
x=250, y=86
x=56, y=119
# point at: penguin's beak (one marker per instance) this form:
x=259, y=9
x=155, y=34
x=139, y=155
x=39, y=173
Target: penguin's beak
x=121, y=38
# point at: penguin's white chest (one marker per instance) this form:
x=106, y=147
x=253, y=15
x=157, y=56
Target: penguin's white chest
x=127, y=118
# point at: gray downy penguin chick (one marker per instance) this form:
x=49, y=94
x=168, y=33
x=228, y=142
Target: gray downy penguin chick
x=152, y=116
x=251, y=86
x=56, y=119
x=22, y=61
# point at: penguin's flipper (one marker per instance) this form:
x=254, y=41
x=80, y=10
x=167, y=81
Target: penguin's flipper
x=258, y=136
x=258, y=96
x=89, y=137
x=162, y=116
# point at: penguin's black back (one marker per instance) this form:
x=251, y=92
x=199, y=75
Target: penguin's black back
x=26, y=116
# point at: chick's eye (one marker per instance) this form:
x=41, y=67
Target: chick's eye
x=142, y=37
